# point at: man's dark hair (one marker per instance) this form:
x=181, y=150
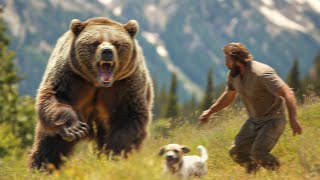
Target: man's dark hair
x=239, y=52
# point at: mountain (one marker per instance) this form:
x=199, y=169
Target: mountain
x=185, y=37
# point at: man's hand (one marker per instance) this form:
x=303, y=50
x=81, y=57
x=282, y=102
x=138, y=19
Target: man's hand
x=223, y=101
x=205, y=116
x=296, y=127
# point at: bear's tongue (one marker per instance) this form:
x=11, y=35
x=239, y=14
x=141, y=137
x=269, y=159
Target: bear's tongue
x=106, y=73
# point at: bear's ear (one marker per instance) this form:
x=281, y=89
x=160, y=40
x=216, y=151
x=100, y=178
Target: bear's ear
x=76, y=26
x=132, y=27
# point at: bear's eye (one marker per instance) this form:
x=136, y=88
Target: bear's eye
x=120, y=46
x=117, y=45
x=92, y=46
x=95, y=43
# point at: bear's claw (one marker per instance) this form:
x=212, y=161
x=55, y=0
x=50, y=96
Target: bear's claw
x=77, y=130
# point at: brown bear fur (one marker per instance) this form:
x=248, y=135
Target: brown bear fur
x=76, y=93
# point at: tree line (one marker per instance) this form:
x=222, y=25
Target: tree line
x=308, y=85
x=167, y=103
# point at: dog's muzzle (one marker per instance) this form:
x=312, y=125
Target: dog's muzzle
x=170, y=159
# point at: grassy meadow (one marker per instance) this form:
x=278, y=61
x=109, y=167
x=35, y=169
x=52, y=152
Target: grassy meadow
x=299, y=155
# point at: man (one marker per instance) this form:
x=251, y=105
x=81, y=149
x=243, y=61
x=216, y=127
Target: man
x=262, y=92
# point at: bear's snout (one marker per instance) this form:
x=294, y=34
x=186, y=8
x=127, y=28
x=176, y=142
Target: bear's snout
x=106, y=54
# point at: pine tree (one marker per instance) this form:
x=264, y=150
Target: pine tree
x=8, y=94
x=293, y=79
x=4, y=39
x=316, y=66
x=307, y=85
x=162, y=100
x=189, y=108
x=16, y=112
x=8, y=79
x=208, y=97
x=158, y=101
x=172, y=105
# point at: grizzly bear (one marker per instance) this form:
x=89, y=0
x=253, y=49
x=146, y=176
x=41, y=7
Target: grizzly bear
x=96, y=85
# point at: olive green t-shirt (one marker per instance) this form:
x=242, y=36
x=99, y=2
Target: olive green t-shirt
x=258, y=90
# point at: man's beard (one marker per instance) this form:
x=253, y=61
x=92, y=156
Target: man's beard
x=235, y=70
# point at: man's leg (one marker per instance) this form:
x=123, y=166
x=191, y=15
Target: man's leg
x=240, y=151
x=266, y=139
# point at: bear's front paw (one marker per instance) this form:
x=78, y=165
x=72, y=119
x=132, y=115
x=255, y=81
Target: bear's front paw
x=69, y=126
x=78, y=129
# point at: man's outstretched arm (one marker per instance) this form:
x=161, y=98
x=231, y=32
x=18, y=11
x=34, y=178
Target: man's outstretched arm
x=226, y=98
x=291, y=103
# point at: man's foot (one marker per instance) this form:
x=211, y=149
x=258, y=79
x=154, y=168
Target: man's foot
x=252, y=168
x=271, y=166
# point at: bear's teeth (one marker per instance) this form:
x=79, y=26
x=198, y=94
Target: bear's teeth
x=110, y=63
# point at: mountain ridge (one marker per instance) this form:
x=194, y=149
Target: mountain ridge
x=189, y=35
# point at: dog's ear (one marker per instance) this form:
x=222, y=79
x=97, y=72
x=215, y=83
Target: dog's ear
x=185, y=149
x=162, y=151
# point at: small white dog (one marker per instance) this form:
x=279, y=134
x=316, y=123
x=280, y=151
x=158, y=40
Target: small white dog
x=184, y=166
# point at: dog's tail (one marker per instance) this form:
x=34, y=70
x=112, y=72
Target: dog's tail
x=204, y=154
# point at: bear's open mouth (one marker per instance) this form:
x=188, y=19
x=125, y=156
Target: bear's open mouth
x=106, y=72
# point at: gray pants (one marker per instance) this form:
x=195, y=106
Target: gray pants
x=253, y=144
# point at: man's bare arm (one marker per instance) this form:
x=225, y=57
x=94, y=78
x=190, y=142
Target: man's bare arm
x=291, y=103
x=223, y=101
x=226, y=98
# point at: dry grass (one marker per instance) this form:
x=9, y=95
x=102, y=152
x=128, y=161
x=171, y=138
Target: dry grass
x=299, y=155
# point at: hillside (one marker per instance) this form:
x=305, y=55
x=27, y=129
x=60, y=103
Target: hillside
x=185, y=37
x=299, y=155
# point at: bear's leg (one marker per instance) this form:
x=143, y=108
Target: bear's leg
x=110, y=148
x=101, y=137
x=128, y=129
x=121, y=141
x=48, y=152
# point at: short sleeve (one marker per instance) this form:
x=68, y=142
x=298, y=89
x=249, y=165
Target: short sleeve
x=229, y=85
x=271, y=80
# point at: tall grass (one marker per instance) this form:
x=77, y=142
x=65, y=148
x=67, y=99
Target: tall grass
x=299, y=155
